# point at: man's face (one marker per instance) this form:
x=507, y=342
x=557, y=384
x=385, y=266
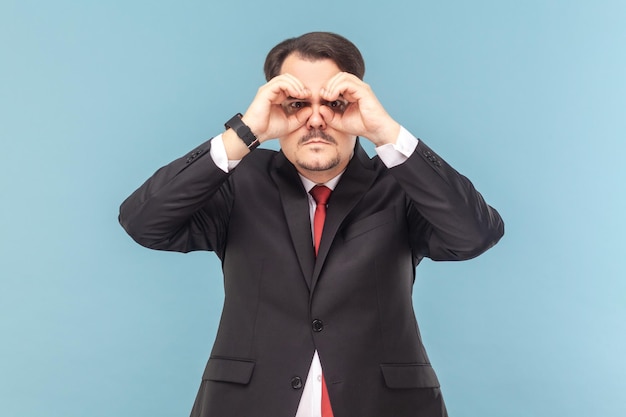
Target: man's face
x=317, y=151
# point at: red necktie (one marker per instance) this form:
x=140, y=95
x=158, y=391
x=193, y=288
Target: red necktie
x=320, y=194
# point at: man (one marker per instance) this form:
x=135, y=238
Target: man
x=318, y=317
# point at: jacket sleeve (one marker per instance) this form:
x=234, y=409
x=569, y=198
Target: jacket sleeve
x=461, y=224
x=183, y=207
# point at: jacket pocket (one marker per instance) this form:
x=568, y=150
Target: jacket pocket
x=238, y=371
x=369, y=223
x=409, y=376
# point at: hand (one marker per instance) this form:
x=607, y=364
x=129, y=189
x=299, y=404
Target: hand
x=265, y=116
x=363, y=116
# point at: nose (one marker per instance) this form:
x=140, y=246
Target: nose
x=316, y=119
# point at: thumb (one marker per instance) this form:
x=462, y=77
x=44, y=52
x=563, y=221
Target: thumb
x=299, y=119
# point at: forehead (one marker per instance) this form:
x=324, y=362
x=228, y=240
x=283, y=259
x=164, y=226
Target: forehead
x=312, y=73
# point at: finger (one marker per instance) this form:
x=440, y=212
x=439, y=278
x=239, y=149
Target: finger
x=300, y=118
x=290, y=86
x=295, y=80
x=346, y=90
x=328, y=114
x=341, y=122
x=329, y=91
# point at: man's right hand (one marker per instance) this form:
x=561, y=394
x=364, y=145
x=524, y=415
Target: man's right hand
x=265, y=115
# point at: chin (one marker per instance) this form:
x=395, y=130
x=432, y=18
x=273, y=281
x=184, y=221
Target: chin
x=318, y=164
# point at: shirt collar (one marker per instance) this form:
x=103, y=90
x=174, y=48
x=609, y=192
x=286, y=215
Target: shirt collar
x=308, y=184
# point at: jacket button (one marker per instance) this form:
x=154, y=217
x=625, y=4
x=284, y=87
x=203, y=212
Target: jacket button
x=296, y=382
x=318, y=325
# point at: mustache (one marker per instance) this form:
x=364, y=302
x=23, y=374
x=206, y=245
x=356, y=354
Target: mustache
x=316, y=133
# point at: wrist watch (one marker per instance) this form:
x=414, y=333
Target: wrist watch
x=243, y=131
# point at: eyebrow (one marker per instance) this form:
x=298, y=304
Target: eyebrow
x=302, y=99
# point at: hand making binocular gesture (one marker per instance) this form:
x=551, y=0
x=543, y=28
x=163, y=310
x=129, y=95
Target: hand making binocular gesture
x=314, y=100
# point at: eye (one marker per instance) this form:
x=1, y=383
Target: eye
x=292, y=107
x=338, y=106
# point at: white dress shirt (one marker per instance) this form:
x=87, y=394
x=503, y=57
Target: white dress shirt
x=391, y=155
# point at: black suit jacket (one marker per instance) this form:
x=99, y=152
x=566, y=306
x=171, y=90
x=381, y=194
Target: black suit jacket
x=353, y=303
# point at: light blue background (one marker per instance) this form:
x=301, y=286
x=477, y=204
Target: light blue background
x=527, y=98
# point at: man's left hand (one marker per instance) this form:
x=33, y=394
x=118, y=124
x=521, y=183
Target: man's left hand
x=364, y=116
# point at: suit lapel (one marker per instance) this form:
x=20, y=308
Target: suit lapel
x=295, y=204
x=354, y=183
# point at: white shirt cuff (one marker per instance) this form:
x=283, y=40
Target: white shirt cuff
x=393, y=154
x=218, y=154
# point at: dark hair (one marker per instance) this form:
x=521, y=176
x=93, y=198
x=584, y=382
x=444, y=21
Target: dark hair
x=316, y=46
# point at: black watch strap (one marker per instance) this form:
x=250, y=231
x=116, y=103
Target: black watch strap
x=242, y=131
